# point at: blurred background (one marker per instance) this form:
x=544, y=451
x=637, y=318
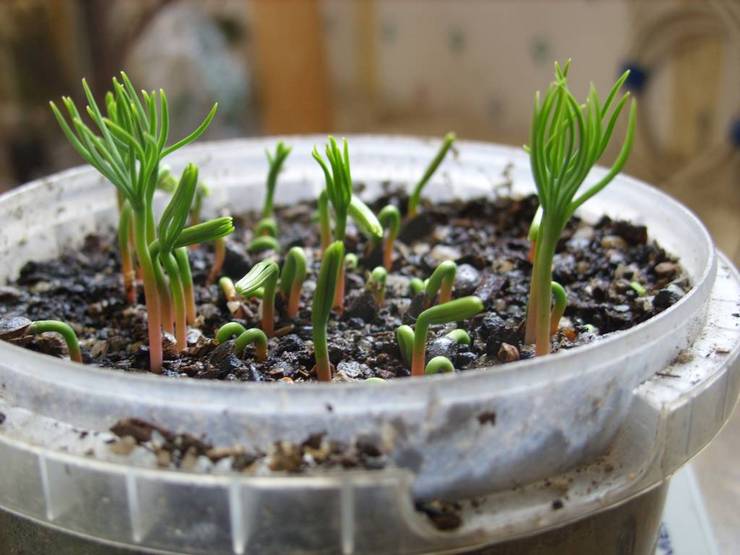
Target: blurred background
x=397, y=66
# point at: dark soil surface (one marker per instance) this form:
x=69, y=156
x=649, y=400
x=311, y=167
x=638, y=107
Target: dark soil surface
x=595, y=263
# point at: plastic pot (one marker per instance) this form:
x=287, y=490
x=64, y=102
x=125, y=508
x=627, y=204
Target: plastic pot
x=552, y=414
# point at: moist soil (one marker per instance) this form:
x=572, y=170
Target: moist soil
x=614, y=275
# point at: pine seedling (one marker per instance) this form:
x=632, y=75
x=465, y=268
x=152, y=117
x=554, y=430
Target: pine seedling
x=453, y=311
x=63, y=329
x=416, y=286
x=263, y=243
x=351, y=261
x=292, y=278
x=566, y=141
x=331, y=265
x=560, y=303
x=126, y=146
x=263, y=275
x=415, y=197
x=244, y=337
x=439, y=365
x=376, y=284
x=440, y=283
x=390, y=218
x=276, y=162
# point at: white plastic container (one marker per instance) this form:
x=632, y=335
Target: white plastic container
x=552, y=413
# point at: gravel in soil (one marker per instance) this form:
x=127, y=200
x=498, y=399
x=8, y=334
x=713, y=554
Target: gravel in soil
x=598, y=265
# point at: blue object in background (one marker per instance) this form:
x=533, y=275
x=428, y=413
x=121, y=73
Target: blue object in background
x=638, y=77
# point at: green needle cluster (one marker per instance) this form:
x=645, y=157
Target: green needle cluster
x=126, y=144
x=566, y=140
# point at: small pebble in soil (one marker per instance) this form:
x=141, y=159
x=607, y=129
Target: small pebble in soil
x=507, y=353
x=667, y=297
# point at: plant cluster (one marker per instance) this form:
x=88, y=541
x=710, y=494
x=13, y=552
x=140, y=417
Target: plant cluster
x=128, y=143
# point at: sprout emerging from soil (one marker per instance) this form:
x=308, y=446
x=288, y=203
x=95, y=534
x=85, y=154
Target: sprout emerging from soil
x=560, y=303
x=263, y=275
x=275, y=162
x=350, y=261
x=63, y=329
x=376, y=380
x=244, y=337
x=638, y=288
x=127, y=145
x=376, y=284
x=169, y=251
x=292, y=278
x=416, y=286
x=440, y=283
x=331, y=266
x=415, y=196
x=566, y=141
x=439, y=365
x=267, y=226
x=390, y=218
x=459, y=336
x=453, y=311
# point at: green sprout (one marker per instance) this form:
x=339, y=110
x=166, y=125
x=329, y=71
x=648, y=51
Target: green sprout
x=169, y=251
x=415, y=197
x=244, y=337
x=452, y=311
x=323, y=300
x=263, y=275
x=124, y=248
x=351, y=261
x=560, y=303
x=439, y=365
x=534, y=229
x=376, y=284
x=275, y=162
x=440, y=283
x=263, y=243
x=266, y=226
x=459, y=336
x=416, y=286
x=566, y=141
x=228, y=289
x=390, y=218
x=291, y=279
x=126, y=145
x=376, y=380
x=638, y=288
x=63, y=329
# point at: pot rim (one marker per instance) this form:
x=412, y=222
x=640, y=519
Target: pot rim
x=105, y=377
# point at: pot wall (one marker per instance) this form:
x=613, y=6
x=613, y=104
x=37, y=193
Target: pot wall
x=551, y=413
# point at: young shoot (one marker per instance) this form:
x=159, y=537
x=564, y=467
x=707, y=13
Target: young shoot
x=416, y=286
x=534, y=229
x=376, y=284
x=390, y=218
x=331, y=265
x=124, y=249
x=440, y=283
x=275, y=162
x=263, y=275
x=263, y=243
x=560, y=303
x=351, y=261
x=127, y=145
x=405, y=340
x=439, y=365
x=459, y=336
x=244, y=337
x=292, y=278
x=338, y=190
x=453, y=311
x=567, y=139
x=415, y=197
x=63, y=329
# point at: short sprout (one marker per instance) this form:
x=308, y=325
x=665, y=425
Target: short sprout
x=638, y=288
x=266, y=226
x=292, y=277
x=439, y=365
x=350, y=261
x=263, y=275
x=376, y=380
x=440, y=282
x=459, y=336
x=390, y=219
x=63, y=329
x=560, y=303
x=405, y=339
x=415, y=196
x=376, y=284
x=244, y=337
x=416, y=286
x=263, y=243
